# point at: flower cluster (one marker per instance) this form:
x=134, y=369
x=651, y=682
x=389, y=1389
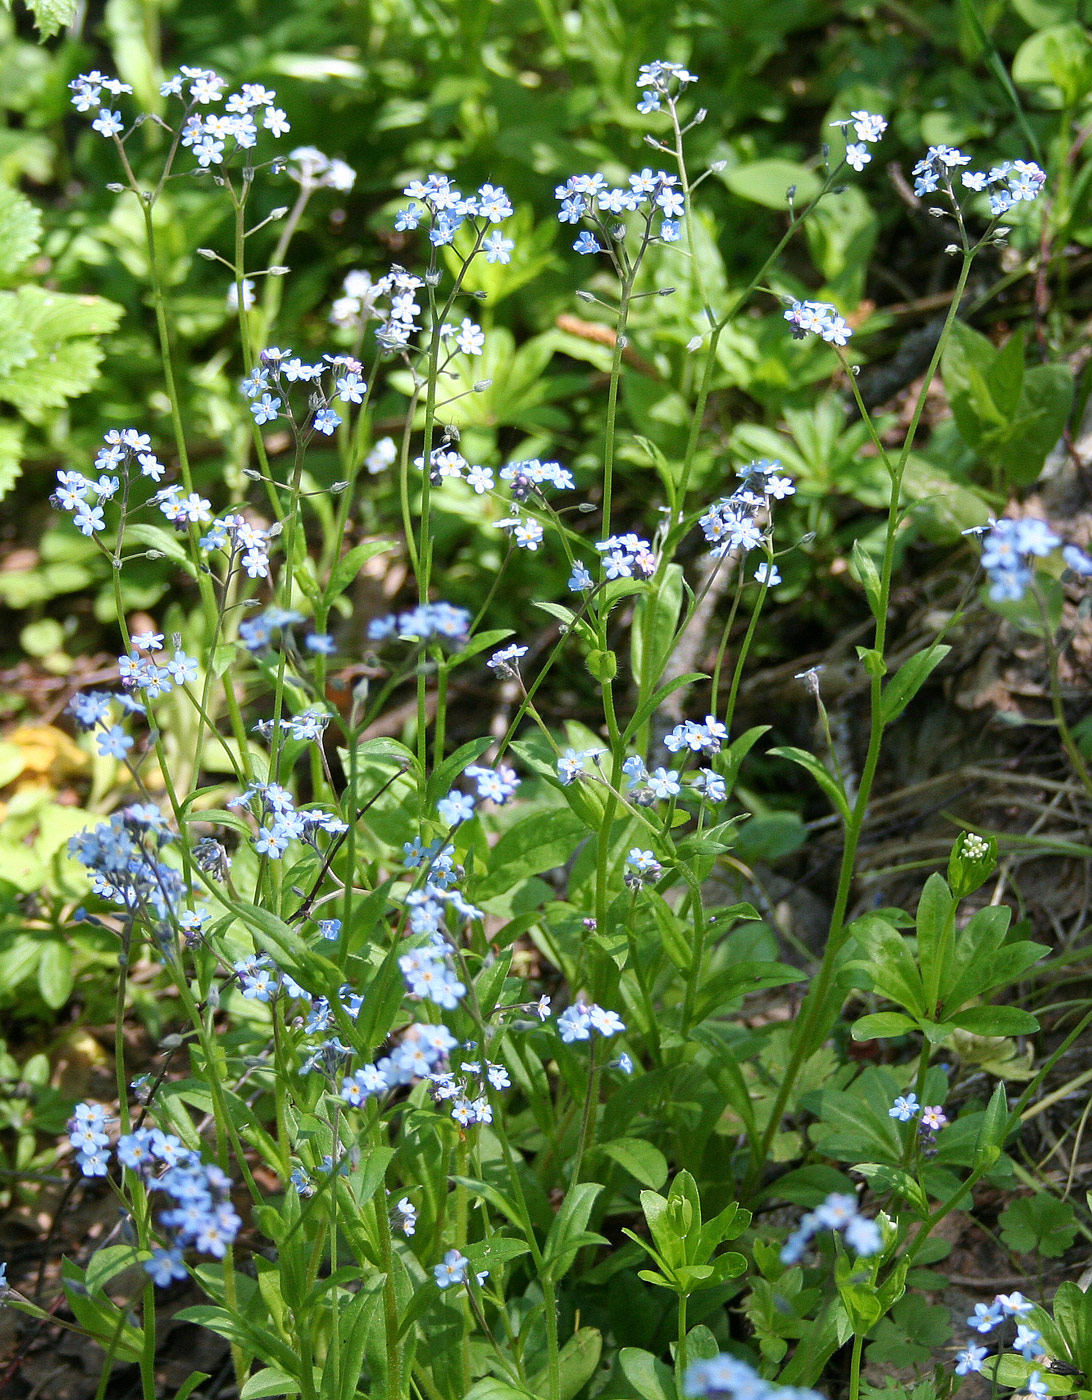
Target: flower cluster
x=421, y=1049
x=653, y=194
x=258, y=633
x=706, y=738
x=1009, y=183
x=429, y=976
x=1006, y=549
x=468, y=1092
x=308, y=726
x=931, y=1120
x=663, y=783
x=122, y=858
x=725, y=1377
x=1028, y=1342
x=246, y=545
x=491, y=785
x=868, y=127
x=739, y=521
x=448, y=210
x=277, y=370
x=572, y=763
x=662, y=82
x=123, y=447
x=280, y=822
x=837, y=1212
x=206, y=135
x=626, y=556
x=200, y=1216
x=430, y=622
x=577, y=1022
x=817, y=318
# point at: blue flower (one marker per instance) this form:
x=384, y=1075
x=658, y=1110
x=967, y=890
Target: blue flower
x=1036, y=1386
x=452, y=1270
x=164, y=1266
x=498, y=248
x=587, y=243
x=1028, y=1343
x=456, y=807
x=266, y=409
x=904, y=1108
x=985, y=1317
x=970, y=1359
x=326, y=421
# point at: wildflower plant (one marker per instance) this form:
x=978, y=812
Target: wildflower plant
x=456, y=1007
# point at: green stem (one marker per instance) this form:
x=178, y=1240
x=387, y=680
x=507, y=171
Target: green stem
x=680, y=1349
x=587, y=1120
x=855, y=1367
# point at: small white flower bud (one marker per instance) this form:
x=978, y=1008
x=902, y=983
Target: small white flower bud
x=585, y=296
x=115, y=188
x=210, y=253
x=277, y=271
x=481, y=386
x=280, y=212
x=717, y=166
x=694, y=343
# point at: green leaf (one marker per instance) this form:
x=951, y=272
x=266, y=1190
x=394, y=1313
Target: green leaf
x=1056, y=63
x=644, y=1162
x=863, y=568
x=992, y=1131
x=269, y=1382
x=648, y=1376
x=767, y=182
x=350, y=564
x=50, y=16
x=907, y=1337
x=570, y=1224
x=20, y=230
x=1041, y=415
x=882, y=1025
x=812, y=765
x=935, y=922
x=890, y=963
x=541, y=841
x=1039, y=1224
x=577, y=1363
x=11, y=456
x=881, y=1176
x=995, y=1020
x=909, y=679
x=55, y=973
x=62, y=359
x=156, y=538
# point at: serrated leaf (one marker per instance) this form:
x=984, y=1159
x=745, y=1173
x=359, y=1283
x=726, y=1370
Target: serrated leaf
x=51, y=16
x=64, y=358
x=11, y=456
x=20, y=230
